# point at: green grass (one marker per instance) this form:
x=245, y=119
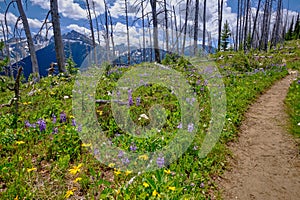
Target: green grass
x=54, y=166
x=293, y=107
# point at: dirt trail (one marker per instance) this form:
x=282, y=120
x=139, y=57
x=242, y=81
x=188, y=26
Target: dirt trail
x=266, y=163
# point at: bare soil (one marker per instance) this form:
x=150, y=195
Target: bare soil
x=266, y=161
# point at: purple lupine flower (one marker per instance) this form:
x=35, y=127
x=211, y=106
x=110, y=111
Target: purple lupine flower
x=121, y=154
x=55, y=130
x=33, y=125
x=79, y=128
x=73, y=122
x=96, y=151
x=125, y=161
x=53, y=119
x=42, y=124
x=188, y=100
x=180, y=126
x=190, y=127
x=118, y=94
x=130, y=101
x=202, y=185
x=160, y=161
x=138, y=101
x=193, y=99
x=133, y=147
x=63, y=117
x=298, y=81
x=27, y=124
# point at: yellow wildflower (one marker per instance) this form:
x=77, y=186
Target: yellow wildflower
x=25, y=103
x=72, y=117
x=100, y=112
x=111, y=165
x=86, y=145
x=117, y=172
x=77, y=180
x=70, y=193
x=75, y=169
x=167, y=171
x=16, y=198
x=155, y=193
x=31, y=169
x=145, y=184
x=118, y=191
x=20, y=142
x=128, y=172
x=144, y=157
x=172, y=188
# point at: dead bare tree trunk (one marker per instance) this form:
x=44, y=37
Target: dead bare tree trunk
x=196, y=27
x=58, y=41
x=185, y=26
x=255, y=23
x=111, y=34
x=237, y=27
x=90, y=23
x=107, y=32
x=247, y=7
x=166, y=24
x=35, y=67
x=127, y=29
x=143, y=25
x=276, y=36
x=96, y=19
x=204, y=25
x=220, y=17
x=92, y=30
x=155, y=31
x=176, y=30
x=266, y=25
x=240, y=23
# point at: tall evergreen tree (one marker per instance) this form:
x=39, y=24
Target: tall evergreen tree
x=225, y=36
x=296, y=34
x=289, y=34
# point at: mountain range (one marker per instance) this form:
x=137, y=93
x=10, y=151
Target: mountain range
x=77, y=46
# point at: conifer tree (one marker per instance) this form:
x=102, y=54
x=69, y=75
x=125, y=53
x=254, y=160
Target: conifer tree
x=226, y=33
x=296, y=34
x=289, y=34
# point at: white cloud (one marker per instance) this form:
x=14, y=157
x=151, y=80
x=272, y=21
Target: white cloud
x=35, y=23
x=10, y=17
x=42, y=3
x=79, y=29
x=71, y=9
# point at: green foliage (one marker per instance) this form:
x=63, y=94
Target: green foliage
x=71, y=69
x=294, y=31
x=225, y=36
x=293, y=107
x=5, y=60
x=170, y=59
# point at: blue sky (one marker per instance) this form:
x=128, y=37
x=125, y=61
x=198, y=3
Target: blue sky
x=293, y=5
x=73, y=14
